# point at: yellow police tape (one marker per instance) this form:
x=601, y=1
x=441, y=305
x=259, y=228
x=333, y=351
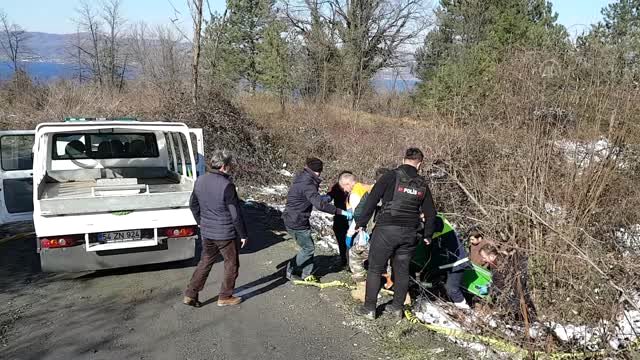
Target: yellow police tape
x=17, y=237
x=497, y=344
x=335, y=283
x=320, y=285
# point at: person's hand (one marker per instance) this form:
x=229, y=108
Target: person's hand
x=243, y=242
x=347, y=214
x=427, y=241
x=351, y=232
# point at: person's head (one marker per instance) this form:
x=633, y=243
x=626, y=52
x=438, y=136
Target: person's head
x=346, y=181
x=314, y=164
x=489, y=253
x=379, y=172
x=222, y=161
x=413, y=157
x=344, y=172
x=476, y=235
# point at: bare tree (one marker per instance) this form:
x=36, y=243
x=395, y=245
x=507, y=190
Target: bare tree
x=115, y=68
x=12, y=40
x=160, y=56
x=196, y=14
x=77, y=53
x=373, y=33
x=102, y=49
x=367, y=35
x=88, y=22
x=309, y=19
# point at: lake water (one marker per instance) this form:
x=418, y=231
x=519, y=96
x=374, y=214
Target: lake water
x=39, y=71
x=46, y=72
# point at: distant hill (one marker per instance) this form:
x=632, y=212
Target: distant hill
x=51, y=48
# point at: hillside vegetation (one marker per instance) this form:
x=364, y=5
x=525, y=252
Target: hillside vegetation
x=529, y=133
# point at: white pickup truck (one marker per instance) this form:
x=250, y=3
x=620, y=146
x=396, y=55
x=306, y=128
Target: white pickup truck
x=105, y=194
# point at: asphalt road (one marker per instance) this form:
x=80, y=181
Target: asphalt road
x=136, y=313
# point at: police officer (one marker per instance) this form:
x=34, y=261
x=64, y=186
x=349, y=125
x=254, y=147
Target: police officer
x=405, y=197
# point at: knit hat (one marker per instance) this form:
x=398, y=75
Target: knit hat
x=315, y=164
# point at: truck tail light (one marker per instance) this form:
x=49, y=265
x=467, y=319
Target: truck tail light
x=55, y=242
x=178, y=232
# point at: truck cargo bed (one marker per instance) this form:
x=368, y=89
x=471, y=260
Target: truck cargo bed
x=77, y=197
x=83, y=188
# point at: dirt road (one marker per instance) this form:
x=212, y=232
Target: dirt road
x=136, y=313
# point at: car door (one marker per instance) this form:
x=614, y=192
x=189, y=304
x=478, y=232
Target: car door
x=198, y=137
x=16, y=175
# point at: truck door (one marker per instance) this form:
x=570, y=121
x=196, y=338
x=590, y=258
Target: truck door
x=197, y=142
x=16, y=176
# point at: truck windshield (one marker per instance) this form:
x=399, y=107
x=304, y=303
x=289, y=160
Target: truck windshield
x=104, y=146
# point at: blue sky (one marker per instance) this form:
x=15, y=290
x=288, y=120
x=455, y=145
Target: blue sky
x=55, y=16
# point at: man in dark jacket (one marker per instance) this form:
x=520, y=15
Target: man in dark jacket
x=405, y=196
x=303, y=196
x=215, y=206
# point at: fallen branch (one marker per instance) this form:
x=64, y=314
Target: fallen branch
x=464, y=189
x=586, y=258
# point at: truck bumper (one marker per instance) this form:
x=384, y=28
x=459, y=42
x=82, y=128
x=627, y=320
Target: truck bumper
x=76, y=259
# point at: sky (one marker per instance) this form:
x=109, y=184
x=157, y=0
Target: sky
x=55, y=16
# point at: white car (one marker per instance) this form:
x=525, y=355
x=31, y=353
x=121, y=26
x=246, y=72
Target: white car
x=104, y=194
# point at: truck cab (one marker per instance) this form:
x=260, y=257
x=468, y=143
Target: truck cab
x=110, y=193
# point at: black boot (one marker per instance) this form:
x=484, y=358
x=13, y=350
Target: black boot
x=368, y=314
x=394, y=312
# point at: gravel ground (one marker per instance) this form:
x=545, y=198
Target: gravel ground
x=136, y=313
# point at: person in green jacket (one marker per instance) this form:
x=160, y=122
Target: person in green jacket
x=443, y=254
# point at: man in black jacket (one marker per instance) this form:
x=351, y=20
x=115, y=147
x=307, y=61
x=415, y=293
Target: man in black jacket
x=405, y=196
x=215, y=206
x=303, y=196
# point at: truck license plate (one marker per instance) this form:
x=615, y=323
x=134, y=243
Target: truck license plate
x=119, y=236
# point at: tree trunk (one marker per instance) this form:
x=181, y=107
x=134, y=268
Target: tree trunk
x=196, y=48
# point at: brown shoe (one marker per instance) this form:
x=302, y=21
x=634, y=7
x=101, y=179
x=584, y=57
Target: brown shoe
x=233, y=300
x=191, y=302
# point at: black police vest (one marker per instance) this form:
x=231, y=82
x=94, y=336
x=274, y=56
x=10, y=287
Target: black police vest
x=408, y=196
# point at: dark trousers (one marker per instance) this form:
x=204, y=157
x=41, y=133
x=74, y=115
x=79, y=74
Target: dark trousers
x=210, y=250
x=398, y=244
x=453, y=285
x=304, y=259
x=340, y=229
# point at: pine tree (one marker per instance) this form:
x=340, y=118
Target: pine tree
x=273, y=62
x=232, y=40
x=472, y=36
x=616, y=39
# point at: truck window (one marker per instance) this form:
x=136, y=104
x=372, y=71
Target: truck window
x=16, y=152
x=104, y=146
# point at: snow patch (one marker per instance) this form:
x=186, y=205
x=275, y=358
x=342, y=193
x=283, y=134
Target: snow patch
x=629, y=239
x=285, y=173
x=276, y=190
x=583, y=153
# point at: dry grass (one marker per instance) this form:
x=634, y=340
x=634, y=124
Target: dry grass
x=558, y=220
x=498, y=165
